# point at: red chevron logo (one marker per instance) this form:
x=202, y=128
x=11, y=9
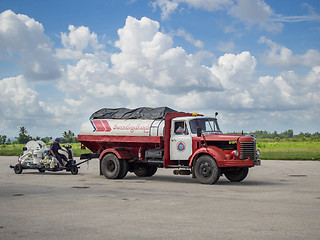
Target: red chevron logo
x=100, y=125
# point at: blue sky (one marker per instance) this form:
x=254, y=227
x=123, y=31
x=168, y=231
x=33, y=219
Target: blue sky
x=255, y=62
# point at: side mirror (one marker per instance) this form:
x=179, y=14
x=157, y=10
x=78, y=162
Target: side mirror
x=199, y=131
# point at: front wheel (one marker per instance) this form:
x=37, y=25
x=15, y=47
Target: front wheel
x=18, y=168
x=237, y=175
x=206, y=170
x=74, y=170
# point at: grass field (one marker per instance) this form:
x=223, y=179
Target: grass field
x=269, y=150
x=289, y=150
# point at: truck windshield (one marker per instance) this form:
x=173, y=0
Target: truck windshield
x=207, y=125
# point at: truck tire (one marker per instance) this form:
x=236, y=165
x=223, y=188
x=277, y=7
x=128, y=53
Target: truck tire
x=111, y=166
x=237, y=175
x=151, y=170
x=124, y=167
x=206, y=170
x=144, y=170
x=140, y=169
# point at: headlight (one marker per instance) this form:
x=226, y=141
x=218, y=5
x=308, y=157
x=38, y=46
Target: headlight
x=235, y=153
x=258, y=152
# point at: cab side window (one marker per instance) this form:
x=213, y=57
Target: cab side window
x=180, y=128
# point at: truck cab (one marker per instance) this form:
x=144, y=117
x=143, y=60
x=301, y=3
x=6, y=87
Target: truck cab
x=184, y=129
x=197, y=141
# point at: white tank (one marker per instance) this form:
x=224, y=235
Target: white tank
x=34, y=152
x=123, y=127
x=37, y=156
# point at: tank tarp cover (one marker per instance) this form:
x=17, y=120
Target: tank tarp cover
x=125, y=113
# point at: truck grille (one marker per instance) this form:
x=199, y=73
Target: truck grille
x=247, y=150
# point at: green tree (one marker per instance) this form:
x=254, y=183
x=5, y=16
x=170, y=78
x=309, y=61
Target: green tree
x=287, y=134
x=316, y=134
x=23, y=137
x=46, y=139
x=3, y=139
x=274, y=134
x=69, y=137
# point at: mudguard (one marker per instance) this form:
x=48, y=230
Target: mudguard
x=120, y=153
x=215, y=152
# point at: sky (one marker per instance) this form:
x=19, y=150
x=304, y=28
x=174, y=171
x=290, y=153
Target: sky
x=256, y=62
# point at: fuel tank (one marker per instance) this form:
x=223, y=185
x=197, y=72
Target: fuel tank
x=123, y=127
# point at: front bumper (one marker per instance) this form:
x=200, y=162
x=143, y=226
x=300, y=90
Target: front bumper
x=257, y=162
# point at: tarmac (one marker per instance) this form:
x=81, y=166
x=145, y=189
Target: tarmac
x=278, y=200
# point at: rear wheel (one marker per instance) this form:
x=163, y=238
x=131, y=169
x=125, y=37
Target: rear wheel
x=206, y=170
x=144, y=170
x=140, y=169
x=124, y=167
x=111, y=166
x=237, y=175
x=41, y=170
x=151, y=170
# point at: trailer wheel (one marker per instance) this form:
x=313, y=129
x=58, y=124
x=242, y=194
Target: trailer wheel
x=18, y=168
x=111, y=166
x=237, y=175
x=74, y=170
x=206, y=170
x=124, y=167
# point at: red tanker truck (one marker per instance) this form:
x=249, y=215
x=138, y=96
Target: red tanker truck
x=143, y=139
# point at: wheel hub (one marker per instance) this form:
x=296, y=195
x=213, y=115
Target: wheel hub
x=111, y=166
x=205, y=169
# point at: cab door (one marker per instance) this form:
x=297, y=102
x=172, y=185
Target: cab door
x=180, y=142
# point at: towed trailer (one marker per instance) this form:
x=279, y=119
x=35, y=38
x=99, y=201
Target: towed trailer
x=70, y=167
x=36, y=155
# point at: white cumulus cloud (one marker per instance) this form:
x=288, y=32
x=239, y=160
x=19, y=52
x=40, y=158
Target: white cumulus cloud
x=76, y=42
x=235, y=70
x=252, y=13
x=170, y=6
x=19, y=104
x=147, y=57
x=255, y=12
x=189, y=38
x=147, y=70
x=23, y=39
x=283, y=57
